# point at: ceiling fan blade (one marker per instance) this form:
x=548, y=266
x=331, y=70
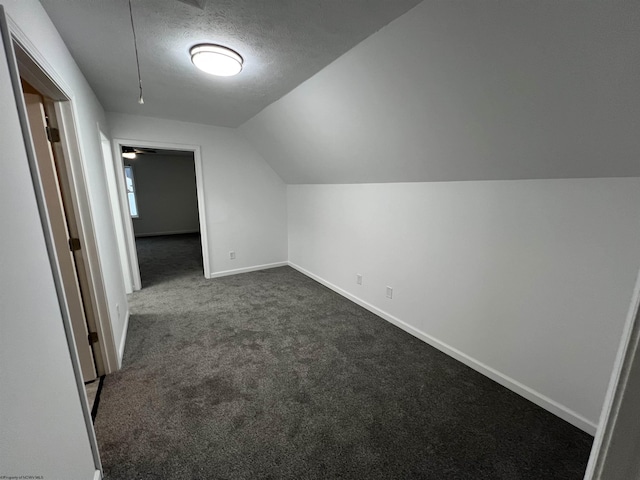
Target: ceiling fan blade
x=195, y=3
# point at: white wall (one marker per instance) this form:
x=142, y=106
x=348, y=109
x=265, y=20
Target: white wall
x=42, y=430
x=616, y=448
x=468, y=90
x=116, y=211
x=532, y=279
x=33, y=21
x=245, y=199
x=165, y=193
x=42, y=427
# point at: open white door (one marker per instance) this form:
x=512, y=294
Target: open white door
x=119, y=212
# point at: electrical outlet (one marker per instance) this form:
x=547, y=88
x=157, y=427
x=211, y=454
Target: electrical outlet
x=232, y=255
x=389, y=292
x=359, y=279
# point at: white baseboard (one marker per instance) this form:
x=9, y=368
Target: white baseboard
x=530, y=394
x=157, y=234
x=123, y=339
x=255, y=268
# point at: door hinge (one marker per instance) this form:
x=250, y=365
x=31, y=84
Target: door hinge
x=53, y=134
x=93, y=337
x=74, y=244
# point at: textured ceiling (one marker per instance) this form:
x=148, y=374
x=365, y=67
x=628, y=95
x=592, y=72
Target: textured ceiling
x=283, y=42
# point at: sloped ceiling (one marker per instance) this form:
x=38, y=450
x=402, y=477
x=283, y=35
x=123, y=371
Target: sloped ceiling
x=283, y=43
x=468, y=90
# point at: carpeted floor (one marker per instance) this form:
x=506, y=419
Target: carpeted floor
x=269, y=375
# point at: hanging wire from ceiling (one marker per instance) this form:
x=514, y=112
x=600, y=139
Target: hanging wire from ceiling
x=135, y=44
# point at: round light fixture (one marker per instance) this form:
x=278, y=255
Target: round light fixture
x=216, y=60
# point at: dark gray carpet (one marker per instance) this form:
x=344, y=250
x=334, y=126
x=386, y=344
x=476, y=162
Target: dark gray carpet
x=269, y=375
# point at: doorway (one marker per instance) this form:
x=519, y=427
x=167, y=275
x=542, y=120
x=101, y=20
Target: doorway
x=46, y=117
x=70, y=176
x=163, y=206
x=45, y=134
x=162, y=189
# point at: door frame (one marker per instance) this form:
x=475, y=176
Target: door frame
x=118, y=143
x=25, y=60
x=52, y=172
x=118, y=210
x=32, y=68
x=615, y=417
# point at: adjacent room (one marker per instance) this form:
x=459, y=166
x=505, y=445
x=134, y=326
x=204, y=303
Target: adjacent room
x=162, y=196
x=320, y=239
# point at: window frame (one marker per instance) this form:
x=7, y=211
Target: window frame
x=133, y=191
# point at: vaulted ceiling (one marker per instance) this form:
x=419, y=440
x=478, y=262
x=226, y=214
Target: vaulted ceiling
x=283, y=42
x=350, y=91
x=468, y=90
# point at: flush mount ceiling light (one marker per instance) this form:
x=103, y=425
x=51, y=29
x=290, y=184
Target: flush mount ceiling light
x=216, y=60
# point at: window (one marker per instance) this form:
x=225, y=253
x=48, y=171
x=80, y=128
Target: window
x=131, y=191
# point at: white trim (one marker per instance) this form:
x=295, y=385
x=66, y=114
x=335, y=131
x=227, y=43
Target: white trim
x=130, y=241
x=200, y=191
x=97, y=475
x=38, y=58
x=116, y=210
x=72, y=147
x=530, y=394
x=204, y=237
x=42, y=71
x=255, y=268
x=628, y=354
x=173, y=232
x=123, y=340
